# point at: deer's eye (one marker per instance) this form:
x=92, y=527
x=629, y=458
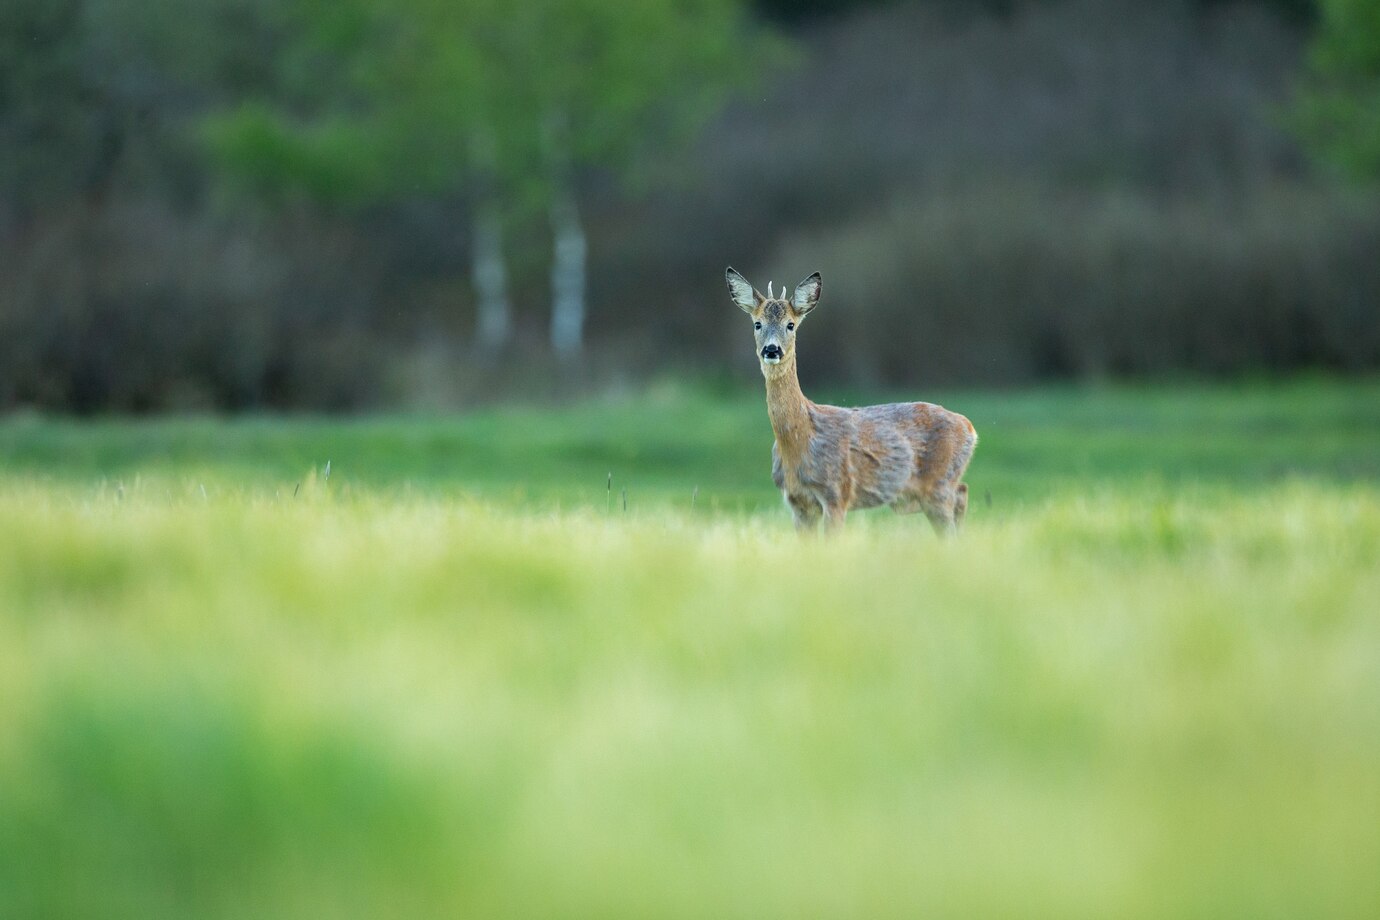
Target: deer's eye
x=756, y=325
x=790, y=327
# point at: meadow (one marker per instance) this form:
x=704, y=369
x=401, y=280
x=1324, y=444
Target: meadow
x=460, y=676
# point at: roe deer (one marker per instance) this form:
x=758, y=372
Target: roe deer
x=828, y=460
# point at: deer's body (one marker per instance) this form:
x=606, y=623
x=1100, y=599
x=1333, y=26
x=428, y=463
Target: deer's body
x=828, y=460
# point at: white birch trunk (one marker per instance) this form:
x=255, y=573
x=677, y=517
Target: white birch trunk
x=495, y=319
x=494, y=322
x=568, y=242
x=567, y=275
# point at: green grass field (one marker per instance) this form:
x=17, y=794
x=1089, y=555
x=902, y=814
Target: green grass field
x=457, y=679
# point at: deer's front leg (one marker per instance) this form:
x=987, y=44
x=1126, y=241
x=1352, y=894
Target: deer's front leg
x=833, y=505
x=805, y=510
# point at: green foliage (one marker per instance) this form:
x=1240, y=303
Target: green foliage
x=620, y=74
x=1131, y=693
x=328, y=161
x=1339, y=107
x=1347, y=42
x=426, y=96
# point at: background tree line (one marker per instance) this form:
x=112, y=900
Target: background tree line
x=243, y=203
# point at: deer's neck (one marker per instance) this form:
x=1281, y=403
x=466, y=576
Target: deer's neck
x=788, y=409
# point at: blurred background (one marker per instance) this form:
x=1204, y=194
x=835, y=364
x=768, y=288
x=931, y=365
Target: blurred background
x=359, y=204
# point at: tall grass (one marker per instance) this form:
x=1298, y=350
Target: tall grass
x=1129, y=704
x=1140, y=685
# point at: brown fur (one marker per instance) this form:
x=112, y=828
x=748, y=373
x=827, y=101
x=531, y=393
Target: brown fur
x=828, y=460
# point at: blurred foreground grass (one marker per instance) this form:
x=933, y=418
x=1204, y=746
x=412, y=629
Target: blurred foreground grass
x=1148, y=693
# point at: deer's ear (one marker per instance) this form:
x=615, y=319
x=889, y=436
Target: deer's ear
x=806, y=294
x=743, y=294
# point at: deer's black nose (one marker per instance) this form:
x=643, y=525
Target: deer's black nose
x=771, y=351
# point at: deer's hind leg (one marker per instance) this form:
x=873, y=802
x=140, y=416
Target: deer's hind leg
x=946, y=509
x=946, y=498
x=958, y=468
x=943, y=514
x=960, y=503
x=943, y=506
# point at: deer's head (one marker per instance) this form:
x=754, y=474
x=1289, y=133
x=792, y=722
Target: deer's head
x=775, y=318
